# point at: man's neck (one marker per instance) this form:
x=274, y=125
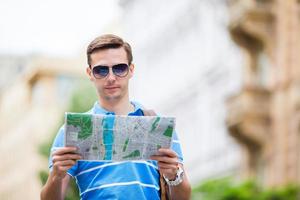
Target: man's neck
x=119, y=107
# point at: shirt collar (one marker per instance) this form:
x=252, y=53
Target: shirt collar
x=97, y=109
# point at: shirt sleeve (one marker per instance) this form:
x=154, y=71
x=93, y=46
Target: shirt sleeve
x=176, y=146
x=59, y=143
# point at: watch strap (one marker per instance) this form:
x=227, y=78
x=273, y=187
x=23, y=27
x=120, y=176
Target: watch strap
x=177, y=180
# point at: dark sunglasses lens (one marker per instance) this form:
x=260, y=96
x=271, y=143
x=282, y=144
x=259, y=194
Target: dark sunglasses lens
x=100, y=71
x=120, y=69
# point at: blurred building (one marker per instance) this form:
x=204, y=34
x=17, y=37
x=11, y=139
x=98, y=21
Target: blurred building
x=186, y=66
x=264, y=116
x=10, y=66
x=34, y=94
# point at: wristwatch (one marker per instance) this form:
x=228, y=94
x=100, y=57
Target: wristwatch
x=177, y=180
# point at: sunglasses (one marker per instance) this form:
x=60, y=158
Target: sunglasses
x=101, y=71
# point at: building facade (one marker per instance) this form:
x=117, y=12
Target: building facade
x=35, y=93
x=264, y=117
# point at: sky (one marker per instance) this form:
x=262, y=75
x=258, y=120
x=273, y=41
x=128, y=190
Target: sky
x=52, y=27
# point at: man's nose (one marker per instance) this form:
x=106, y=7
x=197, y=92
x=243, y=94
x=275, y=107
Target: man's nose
x=111, y=76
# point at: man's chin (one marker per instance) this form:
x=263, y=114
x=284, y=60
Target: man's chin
x=112, y=97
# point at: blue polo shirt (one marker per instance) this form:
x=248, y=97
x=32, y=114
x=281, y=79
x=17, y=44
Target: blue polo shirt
x=116, y=180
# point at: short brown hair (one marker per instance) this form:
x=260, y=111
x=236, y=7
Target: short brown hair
x=108, y=41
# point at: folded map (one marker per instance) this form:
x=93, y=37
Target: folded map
x=118, y=138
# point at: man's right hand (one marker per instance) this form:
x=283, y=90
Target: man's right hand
x=63, y=159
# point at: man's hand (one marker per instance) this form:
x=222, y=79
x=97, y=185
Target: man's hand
x=63, y=159
x=167, y=162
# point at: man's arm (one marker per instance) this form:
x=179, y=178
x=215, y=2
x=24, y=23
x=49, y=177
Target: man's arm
x=55, y=188
x=181, y=191
x=168, y=166
x=58, y=180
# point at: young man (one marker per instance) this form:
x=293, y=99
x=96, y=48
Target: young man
x=110, y=69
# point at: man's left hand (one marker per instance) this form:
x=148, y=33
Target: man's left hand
x=167, y=162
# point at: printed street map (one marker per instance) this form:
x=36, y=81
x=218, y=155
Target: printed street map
x=118, y=138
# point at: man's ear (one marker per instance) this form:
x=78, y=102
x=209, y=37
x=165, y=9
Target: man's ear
x=89, y=73
x=131, y=70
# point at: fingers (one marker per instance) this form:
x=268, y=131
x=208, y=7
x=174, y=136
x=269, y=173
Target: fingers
x=64, y=150
x=167, y=162
x=64, y=163
x=63, y=159
x=167, y=152
x=167, y=156
x=166, y=166
x=56, y=158
x=67, y=162
x=65, y=154
x=64, y=168
x=165, y=159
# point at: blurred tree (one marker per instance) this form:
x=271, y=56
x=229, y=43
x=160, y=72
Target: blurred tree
x=82, y=100
x=227, y=189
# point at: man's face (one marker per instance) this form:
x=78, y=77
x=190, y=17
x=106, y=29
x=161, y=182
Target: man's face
x=110, y=87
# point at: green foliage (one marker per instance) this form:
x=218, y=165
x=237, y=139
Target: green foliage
x=43, y=176
x=227, y=189
x=81, y=100
x=289, y=192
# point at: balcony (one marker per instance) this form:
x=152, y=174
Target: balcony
x=251, y=20
x=248, y=117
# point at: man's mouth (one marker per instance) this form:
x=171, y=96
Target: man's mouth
x=111, y=87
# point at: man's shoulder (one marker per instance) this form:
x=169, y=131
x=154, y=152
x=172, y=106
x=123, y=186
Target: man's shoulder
x=137, y=105
x=91, y=111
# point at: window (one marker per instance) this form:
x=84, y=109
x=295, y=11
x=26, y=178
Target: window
x=263, y=70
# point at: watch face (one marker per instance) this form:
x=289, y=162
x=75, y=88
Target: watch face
x=180, y=172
